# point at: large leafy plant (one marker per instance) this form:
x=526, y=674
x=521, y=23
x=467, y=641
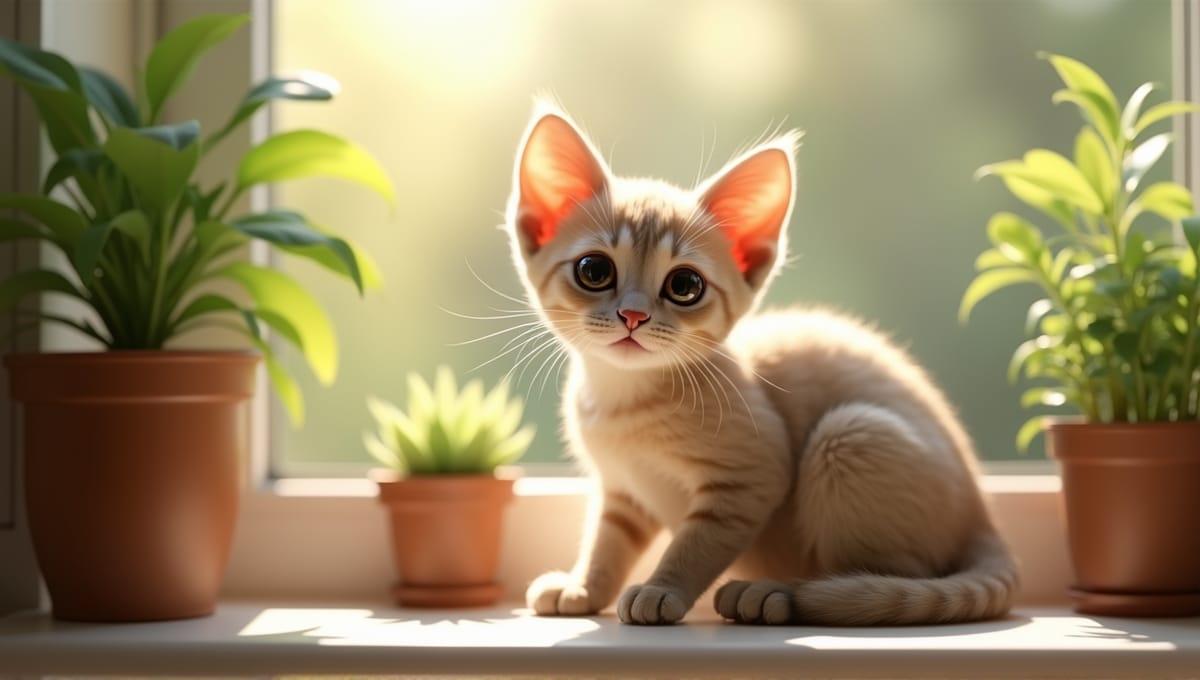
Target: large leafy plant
x=153, y=251
x=447, y=431
x=1115, y=331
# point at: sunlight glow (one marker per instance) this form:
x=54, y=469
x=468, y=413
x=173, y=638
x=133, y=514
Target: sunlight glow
x=1036, y=633
x=359, y=627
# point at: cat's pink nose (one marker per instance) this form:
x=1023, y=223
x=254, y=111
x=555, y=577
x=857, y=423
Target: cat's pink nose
x=633, y=317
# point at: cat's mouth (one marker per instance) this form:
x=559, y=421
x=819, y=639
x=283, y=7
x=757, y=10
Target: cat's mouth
x=629, y=343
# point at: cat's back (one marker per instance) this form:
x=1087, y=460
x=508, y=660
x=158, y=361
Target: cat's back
x=815, y=359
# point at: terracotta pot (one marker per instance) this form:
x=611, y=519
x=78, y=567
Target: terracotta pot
x=1131, y=495
x=132, y=477
x=446, y=533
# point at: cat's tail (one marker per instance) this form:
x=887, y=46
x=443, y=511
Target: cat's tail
x=983, y=588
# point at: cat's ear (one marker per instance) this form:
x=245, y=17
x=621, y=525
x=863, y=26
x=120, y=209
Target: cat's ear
x=751, y=200
x=556, y=171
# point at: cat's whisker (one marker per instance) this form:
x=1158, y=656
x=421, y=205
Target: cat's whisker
x=705, y=367
x=514, y=345
x=510, y=314
x=736, y=390
x=506, y=296
x=493, y=334
x=718, y=348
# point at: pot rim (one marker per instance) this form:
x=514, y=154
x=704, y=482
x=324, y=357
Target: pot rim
x=1078, y=423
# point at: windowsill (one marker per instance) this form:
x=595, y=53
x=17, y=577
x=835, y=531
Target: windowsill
x=252, y=639
x=292, y=541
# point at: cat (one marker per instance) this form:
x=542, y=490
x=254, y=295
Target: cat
x=799, y=451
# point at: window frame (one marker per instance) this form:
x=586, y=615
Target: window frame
x=293, y=538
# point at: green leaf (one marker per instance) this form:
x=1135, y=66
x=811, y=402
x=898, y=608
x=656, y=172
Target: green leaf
x=1163, y=111
x=1141, y=159
x=1168, y=199
x=1133, y=108
x=992, y=258
x=31, y=66
x=1095, y=110
x=277, y=294
x=285, y=386
x=109, y=98
x=1052, y=173
x=1015, y=237
x=1037, y=310
x=1126, y=345
x=172, y=60
x=177, y=136
x=135, y=225
x=1096, y=165
x=57, y=91
x=64, y=116
x=1043, y=396
x=1191, y=231
x=310, y=87
x=16, y=287
x=308, y=153
x=1032, y=428
x=1025, y=352
x=368, y=270
x=1043, y=200
x=156, y=170
x=1080, y=78
x=1101, y=329
x=989, y=282
x=16, y=230
x=88, y=250
x=79, y=163
x=381, y=453
x=287, y=228
x=66, y=224
x=208, y=303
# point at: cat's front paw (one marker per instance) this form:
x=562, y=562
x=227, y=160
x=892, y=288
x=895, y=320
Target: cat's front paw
x=651, y=605
x=768, y=602
x=560, y=594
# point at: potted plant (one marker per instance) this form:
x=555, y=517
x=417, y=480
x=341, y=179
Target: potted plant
x=441, y=487
x=1113, y=335
x=131, y=454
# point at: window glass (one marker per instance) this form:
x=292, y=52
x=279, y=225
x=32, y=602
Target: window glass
x=901, y=101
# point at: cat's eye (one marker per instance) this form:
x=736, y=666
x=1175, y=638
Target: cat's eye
x=683, y=286
x=595, y=272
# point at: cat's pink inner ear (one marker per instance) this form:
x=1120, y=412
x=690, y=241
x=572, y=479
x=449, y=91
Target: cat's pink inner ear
x=558, y=171
x=750, y=202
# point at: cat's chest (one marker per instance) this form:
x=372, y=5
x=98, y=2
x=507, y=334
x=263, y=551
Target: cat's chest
x=638, y=452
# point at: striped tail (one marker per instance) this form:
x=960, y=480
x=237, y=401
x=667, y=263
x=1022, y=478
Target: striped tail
x=983, y=588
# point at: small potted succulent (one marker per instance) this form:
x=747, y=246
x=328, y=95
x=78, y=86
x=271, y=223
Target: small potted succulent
x=445, y=487
x=132, y=453
x=1114, y=335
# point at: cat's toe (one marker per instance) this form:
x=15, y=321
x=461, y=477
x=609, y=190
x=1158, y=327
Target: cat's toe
x=768, y=602
x=651, y=605
x=726, y=599
x=559, y=594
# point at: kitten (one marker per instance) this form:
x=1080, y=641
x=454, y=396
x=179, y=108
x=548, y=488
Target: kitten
x=798, y=450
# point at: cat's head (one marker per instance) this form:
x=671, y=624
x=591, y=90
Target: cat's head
x=638, y=272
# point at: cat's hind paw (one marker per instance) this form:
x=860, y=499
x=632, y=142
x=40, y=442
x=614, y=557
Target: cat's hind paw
x=560, y=594
x=768, y=602
x=651, y=605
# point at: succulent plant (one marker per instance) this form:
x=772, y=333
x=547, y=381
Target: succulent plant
x=447, y=431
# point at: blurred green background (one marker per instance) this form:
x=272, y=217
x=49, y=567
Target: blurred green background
x=900, y=100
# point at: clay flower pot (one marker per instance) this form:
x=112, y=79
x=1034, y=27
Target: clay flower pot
x=132, y=477
x=1131, y=494
x=446, y=532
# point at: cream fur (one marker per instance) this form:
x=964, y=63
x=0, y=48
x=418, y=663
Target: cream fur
x=798, y=451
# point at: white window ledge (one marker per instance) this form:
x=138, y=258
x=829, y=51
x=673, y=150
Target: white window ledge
x=302, y=539
x=251, y=639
